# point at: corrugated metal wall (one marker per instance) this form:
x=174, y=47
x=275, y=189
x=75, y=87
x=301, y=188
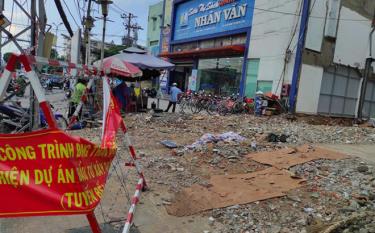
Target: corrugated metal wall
x=339, y=92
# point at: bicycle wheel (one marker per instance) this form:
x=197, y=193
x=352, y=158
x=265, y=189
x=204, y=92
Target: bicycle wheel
x=212, y=108
x=222, y=109
x=183, y=106
x=62, y=123
x=194, y=107
x=237, y=108
x=200, y=106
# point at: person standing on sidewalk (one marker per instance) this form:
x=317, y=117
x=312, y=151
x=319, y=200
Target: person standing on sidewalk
x=174, y=92
x=79, y=91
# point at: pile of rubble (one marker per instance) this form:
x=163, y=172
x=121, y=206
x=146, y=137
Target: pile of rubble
x=333, y=193
x=334, y=190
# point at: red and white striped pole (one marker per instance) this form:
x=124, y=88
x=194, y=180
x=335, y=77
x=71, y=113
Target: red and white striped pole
x=7, y=75
x=133, y=155
x=39, y=92
x=135, y=200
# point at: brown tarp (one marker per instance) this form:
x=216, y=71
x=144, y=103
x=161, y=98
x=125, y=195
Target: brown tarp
x=228, y=190
x=289, y=157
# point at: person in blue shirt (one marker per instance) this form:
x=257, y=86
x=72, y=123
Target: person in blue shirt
x=174, y=92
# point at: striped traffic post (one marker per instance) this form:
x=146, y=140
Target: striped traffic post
x=134, y=202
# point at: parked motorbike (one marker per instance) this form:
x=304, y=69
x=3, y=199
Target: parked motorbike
x=17, y=87
x=15, y=119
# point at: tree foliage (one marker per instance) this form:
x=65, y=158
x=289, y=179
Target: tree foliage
x=54, y=54
x=113, y=50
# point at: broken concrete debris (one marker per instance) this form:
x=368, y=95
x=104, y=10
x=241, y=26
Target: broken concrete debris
x=330, y=187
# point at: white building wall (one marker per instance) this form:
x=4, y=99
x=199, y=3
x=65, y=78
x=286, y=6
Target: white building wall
x=309, y=89
x=352, y=45
x=351, y=49
x=271, y=34
x=316, y=25
x=311, y=76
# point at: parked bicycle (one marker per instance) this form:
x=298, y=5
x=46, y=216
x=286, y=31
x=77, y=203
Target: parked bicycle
x=16, y=119
x=198, y=102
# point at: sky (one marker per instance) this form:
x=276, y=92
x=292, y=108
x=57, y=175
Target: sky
x=115, y=30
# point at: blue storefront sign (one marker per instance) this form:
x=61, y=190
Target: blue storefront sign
x=201, y=18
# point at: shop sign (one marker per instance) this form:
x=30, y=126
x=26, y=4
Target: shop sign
x=166, y=33
x=205, y=17
x=193, y=80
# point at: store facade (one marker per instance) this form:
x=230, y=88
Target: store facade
x=209, y=41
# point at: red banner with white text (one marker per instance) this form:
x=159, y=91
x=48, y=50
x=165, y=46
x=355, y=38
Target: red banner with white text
x=51, y=173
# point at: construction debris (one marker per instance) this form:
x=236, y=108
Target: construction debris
x=224, y=191
x=169, y=144
x=289, y=157
x=225, y=137
x=332, y=188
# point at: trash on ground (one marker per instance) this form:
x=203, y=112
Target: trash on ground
x=169, y=144
x=228, y=190
x=207, y=138
x=277, y=138
x=289, y=157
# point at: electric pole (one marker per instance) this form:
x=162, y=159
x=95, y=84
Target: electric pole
x=104, y=4
x=34, y=114
x=367, y=74
x=57, y=30
x=89, y=23
x=1, y=12
x=128, y=40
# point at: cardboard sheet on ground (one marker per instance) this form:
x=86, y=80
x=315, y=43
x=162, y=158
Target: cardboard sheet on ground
x=230, y=190
x=289, y=157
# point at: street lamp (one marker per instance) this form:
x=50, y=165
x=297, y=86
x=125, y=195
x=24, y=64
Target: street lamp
x=104, y=4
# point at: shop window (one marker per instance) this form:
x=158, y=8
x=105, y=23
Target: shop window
x=154, y=42
x=185, y=47
x=154, y=19
x=220, y=76
x=240, y=39
x=252, y=77
x=264, y=86
x=207, y=44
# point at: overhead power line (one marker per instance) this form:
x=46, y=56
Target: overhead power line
x=124, y=11
x=78, y=8
x=311, y=16
x=70, y=13
x=63, y=17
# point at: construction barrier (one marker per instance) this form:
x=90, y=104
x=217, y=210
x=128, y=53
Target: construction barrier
x=49, y=172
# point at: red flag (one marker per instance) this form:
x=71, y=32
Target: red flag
x=112, y=119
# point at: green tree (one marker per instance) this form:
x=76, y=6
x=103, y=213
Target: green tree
x=61, y=58
x=113, y=50
x=54, y=53
x=6, y=57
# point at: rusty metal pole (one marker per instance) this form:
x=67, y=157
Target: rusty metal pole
x=34, y=114
x=367, y=75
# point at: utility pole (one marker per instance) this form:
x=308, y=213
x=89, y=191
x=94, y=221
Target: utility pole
x=367, y=74
x=34, y=115
x=57, y=29
x=129, y=26
x=104, y=4
x=89, y=23
x=1, y=35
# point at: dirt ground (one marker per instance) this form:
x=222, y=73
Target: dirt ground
x=169, y=171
